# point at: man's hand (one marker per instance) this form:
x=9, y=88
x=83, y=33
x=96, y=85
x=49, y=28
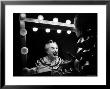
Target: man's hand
x=67, y=61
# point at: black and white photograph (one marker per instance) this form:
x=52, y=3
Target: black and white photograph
x=55, y=44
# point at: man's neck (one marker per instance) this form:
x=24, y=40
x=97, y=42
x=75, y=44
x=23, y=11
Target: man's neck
x=51, y=58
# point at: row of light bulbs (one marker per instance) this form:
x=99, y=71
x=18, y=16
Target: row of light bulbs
x=47, y=30
x=40, y=18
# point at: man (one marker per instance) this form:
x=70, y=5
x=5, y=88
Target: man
x=51, y=62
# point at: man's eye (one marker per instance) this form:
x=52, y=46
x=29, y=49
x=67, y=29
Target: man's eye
x=52, y=47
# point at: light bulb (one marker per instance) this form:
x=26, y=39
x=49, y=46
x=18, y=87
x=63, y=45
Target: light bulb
x=35, y=29
x=47, y=30
x=24, y=50
x=40, y=17
x=55, y=20
x=68, y=32
x=23, y=32
x=58, y=31
x=23, y=16
x=68, y=22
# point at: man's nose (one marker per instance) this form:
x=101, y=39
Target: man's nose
x=56, y=50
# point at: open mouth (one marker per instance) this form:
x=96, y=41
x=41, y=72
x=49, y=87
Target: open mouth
x=55, y=53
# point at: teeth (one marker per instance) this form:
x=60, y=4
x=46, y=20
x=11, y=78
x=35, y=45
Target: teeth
x=55, y=53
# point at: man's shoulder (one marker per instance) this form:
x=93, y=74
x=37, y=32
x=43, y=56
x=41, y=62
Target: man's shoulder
x=44, y=60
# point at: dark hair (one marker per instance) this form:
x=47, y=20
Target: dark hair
x=50, y=41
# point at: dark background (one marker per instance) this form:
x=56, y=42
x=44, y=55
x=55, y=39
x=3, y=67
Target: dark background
x=67, y=43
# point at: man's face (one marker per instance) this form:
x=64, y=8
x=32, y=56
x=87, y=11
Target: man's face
x=52, y=49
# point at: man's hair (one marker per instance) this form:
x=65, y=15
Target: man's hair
x=50, y=41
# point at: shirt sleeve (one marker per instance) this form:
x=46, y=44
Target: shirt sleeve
x=42, y=66
x=65, y=61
